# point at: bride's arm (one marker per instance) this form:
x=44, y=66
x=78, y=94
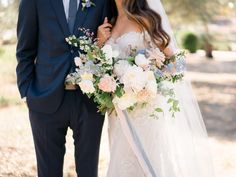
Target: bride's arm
x=168, y=52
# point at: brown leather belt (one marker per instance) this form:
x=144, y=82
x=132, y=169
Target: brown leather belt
x=71, y=87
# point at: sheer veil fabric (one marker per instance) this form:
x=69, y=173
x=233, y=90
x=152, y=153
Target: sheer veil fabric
x=165, y=147
x=157, y=6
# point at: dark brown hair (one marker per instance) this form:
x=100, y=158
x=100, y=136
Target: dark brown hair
x=150, y=21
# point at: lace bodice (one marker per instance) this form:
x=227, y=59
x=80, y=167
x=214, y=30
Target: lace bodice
x=137, y=40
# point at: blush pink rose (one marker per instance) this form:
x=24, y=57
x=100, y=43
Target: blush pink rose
x=107, y=84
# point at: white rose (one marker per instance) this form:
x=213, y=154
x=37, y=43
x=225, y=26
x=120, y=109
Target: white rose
x=134, y=78
x=120, y=67
x=141, y=61
x=78, y=61
x=87, y=86
x=109, y=52
x=126, y=101
x=115, y=53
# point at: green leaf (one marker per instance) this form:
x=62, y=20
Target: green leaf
x=158, y=110
x=119, y=92
x=104, y=100
x=170, y=100
x=143, y=105
x=131, y=60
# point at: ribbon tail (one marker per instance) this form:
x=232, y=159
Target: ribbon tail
x=134, y=141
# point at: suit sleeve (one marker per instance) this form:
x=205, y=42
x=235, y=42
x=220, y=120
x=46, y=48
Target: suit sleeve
x=106, y=10
x=26, y=51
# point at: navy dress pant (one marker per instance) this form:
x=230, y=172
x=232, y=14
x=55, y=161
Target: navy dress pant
x=49, y=132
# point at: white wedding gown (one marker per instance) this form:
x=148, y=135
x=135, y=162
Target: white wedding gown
x=173, y=147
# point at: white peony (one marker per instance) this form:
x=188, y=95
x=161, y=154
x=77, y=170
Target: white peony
x=142, y=61
x=87, y=86
x=143, y=96
x=150, y=90
x=78, y=61
x=126, y=101
x=109, y=53
x=120, y=68
x=134, y=79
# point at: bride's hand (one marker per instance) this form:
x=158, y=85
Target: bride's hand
x=104, y=32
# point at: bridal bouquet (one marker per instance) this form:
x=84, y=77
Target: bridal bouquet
x=127, y=82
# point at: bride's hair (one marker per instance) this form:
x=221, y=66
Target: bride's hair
x=150, y=21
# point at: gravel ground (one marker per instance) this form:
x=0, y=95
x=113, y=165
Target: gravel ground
x=214, y=82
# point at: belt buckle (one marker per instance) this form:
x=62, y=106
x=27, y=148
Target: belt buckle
x=71, y=87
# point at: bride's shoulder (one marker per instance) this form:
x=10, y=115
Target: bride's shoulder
x=168, y=51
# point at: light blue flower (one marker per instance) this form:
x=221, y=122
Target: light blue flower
x=180, y=65
x=170, y=67
x=88, y=3
x=143, y=51
x=159, y=73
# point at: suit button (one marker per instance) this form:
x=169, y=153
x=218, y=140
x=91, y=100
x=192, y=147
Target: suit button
x=72, y=51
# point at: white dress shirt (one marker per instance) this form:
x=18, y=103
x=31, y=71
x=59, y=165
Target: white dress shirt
x=66, y=6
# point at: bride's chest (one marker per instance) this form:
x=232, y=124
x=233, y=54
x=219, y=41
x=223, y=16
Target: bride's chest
x=129, y=41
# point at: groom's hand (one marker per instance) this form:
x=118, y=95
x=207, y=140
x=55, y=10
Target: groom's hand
x=104, y=32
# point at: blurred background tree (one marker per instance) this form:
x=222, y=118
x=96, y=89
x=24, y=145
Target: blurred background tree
x=186, y=16
x=199, y=12
x=8, y=18
x=190, y=42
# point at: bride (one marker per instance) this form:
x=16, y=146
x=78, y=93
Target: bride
x=141, y=146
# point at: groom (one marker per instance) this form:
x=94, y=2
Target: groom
x=44, y=60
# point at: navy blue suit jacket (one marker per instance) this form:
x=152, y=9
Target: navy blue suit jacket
x=44, y=57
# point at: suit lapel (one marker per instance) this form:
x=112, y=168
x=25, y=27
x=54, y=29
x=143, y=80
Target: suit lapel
x=80, y=18
x=61, y=17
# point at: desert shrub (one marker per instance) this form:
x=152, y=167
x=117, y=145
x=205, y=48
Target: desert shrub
x=1, y=51
x=3, y=102
x=190, y=42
